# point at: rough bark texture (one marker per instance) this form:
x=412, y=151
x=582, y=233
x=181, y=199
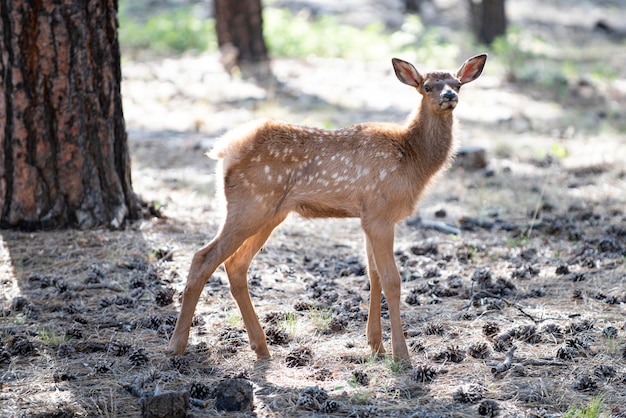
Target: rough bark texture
x=240, y=24
x=64, y=158
x=488, y=19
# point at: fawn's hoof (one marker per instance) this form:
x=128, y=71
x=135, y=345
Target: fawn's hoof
x=378, y=350
x=175, y=350
x=263, y=354
x=405, y=363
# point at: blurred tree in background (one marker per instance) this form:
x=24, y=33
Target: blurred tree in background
x=239, y=28
x=488, y=19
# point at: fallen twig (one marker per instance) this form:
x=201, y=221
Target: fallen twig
x=198, y=403
x=95, y=286
x=136, y=387
x=484, y=293
x=544, y=363
x=506, y=364
x=436, y=225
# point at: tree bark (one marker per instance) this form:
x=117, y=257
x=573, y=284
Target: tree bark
x=239, y=25
x=64, y=159
x=488, y=19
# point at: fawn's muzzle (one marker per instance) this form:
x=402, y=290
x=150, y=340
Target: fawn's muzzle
x=448, y=100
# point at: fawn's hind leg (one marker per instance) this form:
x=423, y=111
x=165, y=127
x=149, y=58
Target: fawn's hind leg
x=238, y=226
x=237, y=268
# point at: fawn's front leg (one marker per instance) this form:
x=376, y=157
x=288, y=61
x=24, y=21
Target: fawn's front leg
x=380, y=236
x=374, y=327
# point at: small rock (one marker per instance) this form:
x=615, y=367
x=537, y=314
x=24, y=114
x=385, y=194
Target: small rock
x=18, y=303
x=234, y=395
x=488, y=408
x=166, y=405
x=441, y=213
x=63, y=376
x=472, y=157
x=610, y=332
x=562, y=270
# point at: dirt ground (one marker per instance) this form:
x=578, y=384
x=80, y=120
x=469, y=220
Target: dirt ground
x=520, y=314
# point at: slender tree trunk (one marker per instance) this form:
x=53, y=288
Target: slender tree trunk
x=488, y=19
x=239, y=25
x=413, y=6
x=64, y=158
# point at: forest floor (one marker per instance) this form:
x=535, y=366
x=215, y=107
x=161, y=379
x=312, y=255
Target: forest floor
x=539, y=263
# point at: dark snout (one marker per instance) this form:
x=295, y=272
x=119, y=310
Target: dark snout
x=450, y=95
x=448, y=100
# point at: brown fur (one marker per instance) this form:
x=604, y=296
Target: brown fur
x=372, y=171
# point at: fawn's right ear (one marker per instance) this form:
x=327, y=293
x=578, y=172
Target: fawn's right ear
x=406, y=72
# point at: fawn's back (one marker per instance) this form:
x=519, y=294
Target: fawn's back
x=321, y=173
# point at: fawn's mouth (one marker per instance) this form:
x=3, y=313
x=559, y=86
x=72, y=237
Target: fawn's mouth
x=448, y=104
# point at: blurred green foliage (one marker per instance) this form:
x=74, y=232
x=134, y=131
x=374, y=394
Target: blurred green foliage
x=592, y=410
x=176, y=31
x=287, y=35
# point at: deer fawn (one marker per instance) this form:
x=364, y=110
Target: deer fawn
x=372, y=171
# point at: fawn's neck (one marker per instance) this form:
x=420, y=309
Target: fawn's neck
x=431, y=139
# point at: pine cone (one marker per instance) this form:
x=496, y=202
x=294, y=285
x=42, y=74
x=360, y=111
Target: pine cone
x=329, y=406
x=490, y=329
x=299, y=357
x=138, y=357
x=119, y=348
x=488, y=408
x=102, y=367
x=586, y=384
x=199, y=390
x=424, y=373
x=165, y=296
x=479, y=350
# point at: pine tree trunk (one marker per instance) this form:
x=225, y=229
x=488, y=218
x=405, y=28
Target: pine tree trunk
x=488, y=19
x=239, y=24
x=64, y=158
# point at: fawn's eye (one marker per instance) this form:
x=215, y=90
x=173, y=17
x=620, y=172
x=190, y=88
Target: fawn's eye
x=427, y=89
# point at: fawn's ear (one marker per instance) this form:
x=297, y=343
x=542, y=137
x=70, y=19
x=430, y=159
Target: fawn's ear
x=406, y=72
x=471, y=69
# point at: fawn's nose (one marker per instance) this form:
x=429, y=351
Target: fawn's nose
x=449, y=95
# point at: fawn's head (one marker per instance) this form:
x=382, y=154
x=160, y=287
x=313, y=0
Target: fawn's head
x=440, y=89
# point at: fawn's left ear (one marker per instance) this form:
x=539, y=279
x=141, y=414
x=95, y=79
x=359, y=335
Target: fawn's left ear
x=471, y=69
